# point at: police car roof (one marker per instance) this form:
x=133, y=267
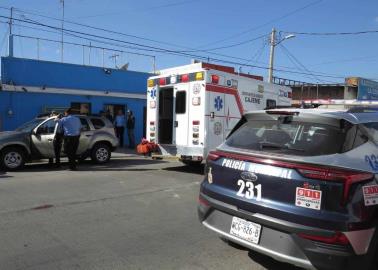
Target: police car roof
x=362, y=115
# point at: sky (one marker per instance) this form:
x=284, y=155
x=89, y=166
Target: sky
x=233, y=31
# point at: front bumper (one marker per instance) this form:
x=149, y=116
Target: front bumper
x=278, y=239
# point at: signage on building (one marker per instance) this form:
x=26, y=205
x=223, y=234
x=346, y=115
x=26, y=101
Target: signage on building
x=367, y=89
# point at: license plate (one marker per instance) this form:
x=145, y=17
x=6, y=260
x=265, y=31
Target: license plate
x=246, y=230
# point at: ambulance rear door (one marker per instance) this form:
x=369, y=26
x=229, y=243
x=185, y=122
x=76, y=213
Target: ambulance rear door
x=181, y=114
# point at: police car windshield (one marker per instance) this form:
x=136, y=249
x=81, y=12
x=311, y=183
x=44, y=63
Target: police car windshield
x=29, y=126
x=291, y=137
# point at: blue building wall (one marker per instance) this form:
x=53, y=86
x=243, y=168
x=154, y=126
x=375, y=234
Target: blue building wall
x=26, y=105
x=30, y=72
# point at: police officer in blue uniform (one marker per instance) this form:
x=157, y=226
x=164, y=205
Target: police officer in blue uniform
x=71, y=126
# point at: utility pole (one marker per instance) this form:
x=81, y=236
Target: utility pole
x=154, y=64
x=271, y=57
x=273, y=43
x=10, y=38
x=62, y=1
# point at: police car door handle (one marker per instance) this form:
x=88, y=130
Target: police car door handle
x=49, y=140
x=176, y=124
x=88, y=135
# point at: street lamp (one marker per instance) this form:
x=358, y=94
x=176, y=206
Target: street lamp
x=273, y=43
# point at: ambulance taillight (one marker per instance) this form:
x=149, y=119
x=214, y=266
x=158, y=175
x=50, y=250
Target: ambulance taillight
x=152, y=131
x=195, y=135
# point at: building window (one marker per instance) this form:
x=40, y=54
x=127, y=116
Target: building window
x=81, y=108
x=111, y=110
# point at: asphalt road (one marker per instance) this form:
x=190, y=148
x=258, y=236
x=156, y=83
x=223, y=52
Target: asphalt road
x=133, y=213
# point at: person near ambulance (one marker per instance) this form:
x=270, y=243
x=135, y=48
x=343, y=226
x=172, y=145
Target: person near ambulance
x=130, y=128
x=119, y=124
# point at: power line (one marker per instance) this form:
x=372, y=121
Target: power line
x=163, y=50
x=298, y=64
x=333, y=33
x=290, y=55
x=86, y=45
x=229, y=46
x=264, y=24
x=218, y=54
x=138, y=37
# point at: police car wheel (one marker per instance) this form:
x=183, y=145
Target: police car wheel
x=101, y=153
x=12, y=158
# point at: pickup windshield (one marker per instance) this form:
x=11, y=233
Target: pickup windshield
x=29, y=126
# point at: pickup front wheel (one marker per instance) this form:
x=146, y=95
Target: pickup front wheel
x=12, y=158
x=100, y=153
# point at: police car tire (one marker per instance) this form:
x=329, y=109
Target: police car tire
x=100, y=153
x=14, y=152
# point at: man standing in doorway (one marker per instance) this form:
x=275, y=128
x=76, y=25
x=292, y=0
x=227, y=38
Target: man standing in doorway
x=119, y=124
x=130, y=129
x=71, y=126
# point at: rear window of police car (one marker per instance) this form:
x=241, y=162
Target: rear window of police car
x=294, y=138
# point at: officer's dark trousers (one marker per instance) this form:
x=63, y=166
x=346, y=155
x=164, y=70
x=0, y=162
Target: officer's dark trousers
x=58, y=141
x=71, y=144
x=119, y=133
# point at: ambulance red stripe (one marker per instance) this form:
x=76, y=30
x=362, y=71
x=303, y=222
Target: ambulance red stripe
x=228, y=91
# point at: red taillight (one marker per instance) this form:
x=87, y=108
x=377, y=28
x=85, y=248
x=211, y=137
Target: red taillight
x=289, y=95
x=196, y=122
x=215, y=79
x=331, y=174
x=162, y=81
x=213, y=156
x=185, y=78
x=152, y=123
x=337, y=239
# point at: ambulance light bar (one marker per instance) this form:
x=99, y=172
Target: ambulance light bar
x=162, y=81
x=214, y=79
x=183, y=78
x=340, y=102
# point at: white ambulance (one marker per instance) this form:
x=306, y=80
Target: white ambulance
x=191, y=109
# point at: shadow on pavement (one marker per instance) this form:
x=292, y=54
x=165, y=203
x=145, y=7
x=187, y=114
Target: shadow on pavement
x=270, y=263
x=4, y=175
x=87, y=165
x=198, y=169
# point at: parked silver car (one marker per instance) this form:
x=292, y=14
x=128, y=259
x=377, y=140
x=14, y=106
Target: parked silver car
x=34, y=140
